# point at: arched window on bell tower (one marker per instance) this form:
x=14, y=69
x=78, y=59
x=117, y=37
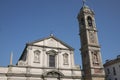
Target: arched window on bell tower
x=89, y=20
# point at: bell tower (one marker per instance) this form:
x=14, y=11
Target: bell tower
x=90, y=48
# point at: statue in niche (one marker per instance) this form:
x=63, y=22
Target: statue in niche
x=95, y=57
x=65, y=58
x=37, y=56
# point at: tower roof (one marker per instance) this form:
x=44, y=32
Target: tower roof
x=85, y=8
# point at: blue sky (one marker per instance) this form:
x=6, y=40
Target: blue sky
x=22, y=21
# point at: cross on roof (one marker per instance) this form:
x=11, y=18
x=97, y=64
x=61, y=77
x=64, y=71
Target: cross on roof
x=84, y=1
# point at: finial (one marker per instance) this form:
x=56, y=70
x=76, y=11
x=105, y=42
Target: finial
x=11, y=58
x=51, y=34
x=84, y=1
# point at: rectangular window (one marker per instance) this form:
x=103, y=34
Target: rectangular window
x=114, y=71
x=51, y=60
x=108, y=71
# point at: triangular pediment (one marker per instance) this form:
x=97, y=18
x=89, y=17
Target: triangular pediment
x=51, y=41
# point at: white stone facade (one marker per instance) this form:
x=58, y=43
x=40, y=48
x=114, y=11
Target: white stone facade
x=112, y=69
x=45, y=59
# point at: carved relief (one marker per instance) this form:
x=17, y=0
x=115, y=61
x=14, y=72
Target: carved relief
x=92, y=37
x=98, y=70
x=52, y=43
x=22, y=63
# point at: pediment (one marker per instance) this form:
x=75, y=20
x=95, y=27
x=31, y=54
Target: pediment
x=51, y=42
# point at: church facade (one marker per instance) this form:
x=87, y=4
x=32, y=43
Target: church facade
x=45, y=59
x=52, y=59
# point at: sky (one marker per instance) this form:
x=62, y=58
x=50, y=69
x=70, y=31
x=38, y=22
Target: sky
x=23, y=21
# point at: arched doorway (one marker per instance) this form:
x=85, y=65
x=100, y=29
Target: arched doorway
x=52, y=75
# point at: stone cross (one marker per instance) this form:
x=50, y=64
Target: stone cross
x=84, y=1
